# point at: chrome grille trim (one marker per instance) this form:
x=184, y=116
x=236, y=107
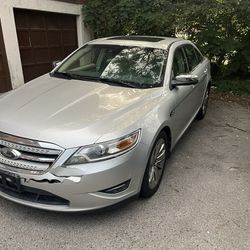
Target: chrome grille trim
x=37, y=159
x=28, y=148
x=19, y=170
x=23, y=164
x=33, y=157
x=28, y=142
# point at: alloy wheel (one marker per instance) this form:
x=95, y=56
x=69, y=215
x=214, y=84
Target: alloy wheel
x=157, y=162
x=205, y=102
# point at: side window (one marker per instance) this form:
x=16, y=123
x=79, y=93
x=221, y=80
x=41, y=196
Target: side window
x=199, y=56
x=192, y=59
x=179, y=63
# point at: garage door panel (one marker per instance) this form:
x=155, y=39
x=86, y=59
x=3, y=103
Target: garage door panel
x=53, y=22
x=69, y=37
x=23, y=38
x=68, y=22
x=1, y=65
x=56, y=54
x=41, y=68
x=36, y=20
x=34, y=71
x=38, y=37
x=49, y=36
x=54, y=37
x=67, y=50
x=21, y=20
x=27, y=56
x=42, y=55
x=29, y=73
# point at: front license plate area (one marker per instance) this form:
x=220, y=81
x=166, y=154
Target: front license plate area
x=10, y=182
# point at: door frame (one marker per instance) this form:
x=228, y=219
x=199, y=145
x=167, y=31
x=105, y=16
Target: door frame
x=7, y=84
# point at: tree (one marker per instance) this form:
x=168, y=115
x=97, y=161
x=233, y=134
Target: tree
x=221, y=30
x=123, y=17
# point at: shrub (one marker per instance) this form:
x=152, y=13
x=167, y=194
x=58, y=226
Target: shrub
x=220, y=28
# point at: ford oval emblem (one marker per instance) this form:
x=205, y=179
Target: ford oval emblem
x=10, y=153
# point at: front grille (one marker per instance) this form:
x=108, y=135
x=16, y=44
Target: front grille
x=33, y=156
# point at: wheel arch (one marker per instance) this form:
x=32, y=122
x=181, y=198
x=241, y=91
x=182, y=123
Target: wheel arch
x=165, y=128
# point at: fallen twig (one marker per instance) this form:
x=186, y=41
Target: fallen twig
x=236, y=127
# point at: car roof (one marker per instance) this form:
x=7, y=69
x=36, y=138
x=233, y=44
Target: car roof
x=143, y=41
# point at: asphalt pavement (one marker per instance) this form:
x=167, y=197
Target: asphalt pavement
x=203, y=201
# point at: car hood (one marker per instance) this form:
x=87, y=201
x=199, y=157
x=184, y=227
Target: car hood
x=71, y=113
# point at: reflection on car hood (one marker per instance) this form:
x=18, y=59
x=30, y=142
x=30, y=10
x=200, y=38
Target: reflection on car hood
x=69, y=112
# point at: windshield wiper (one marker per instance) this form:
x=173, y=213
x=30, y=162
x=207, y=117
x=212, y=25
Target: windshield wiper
x=121, y=82
x=70, y=76
x=66, y=75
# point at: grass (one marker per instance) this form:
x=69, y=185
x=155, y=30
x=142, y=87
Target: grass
x=239, y=87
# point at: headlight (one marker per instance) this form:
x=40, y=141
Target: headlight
x=106, y=150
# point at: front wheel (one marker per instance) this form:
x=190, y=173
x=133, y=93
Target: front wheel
x=203, y=110
x=156, y=165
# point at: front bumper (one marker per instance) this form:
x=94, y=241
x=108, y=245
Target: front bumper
x=82, y=185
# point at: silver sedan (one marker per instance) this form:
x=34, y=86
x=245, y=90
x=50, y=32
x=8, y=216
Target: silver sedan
x=100, y=127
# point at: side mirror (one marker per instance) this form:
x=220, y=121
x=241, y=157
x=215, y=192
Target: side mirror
x=185, y=80
x=55, y=63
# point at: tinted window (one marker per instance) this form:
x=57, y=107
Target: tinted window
x=179, y=63
x=199, y=56
x=192, y=59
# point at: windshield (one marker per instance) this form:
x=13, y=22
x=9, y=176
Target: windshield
x=138, y=66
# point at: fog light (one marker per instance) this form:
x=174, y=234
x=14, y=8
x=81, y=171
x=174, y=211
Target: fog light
x=117, y=189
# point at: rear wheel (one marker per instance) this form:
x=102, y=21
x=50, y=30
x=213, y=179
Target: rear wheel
x=156, y=165
x=203, y=110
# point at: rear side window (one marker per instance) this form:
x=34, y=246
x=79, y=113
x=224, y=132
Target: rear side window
x=191, y=55
x=199, y=56
x=179, y=63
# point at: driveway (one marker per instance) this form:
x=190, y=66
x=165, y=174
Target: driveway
x=203, y=202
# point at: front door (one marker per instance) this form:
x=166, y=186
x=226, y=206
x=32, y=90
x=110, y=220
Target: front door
x=198, y=66
x=182, y=95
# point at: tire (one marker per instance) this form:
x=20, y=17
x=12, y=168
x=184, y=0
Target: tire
x=203, y=110
x=155, y=168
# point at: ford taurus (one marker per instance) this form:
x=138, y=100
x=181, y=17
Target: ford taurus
x=99, y=128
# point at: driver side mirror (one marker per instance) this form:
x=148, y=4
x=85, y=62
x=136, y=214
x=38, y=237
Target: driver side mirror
x=185, y=80
x=55, y=63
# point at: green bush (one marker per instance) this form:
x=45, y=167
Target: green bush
x=221, y=28
x=123, y=17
